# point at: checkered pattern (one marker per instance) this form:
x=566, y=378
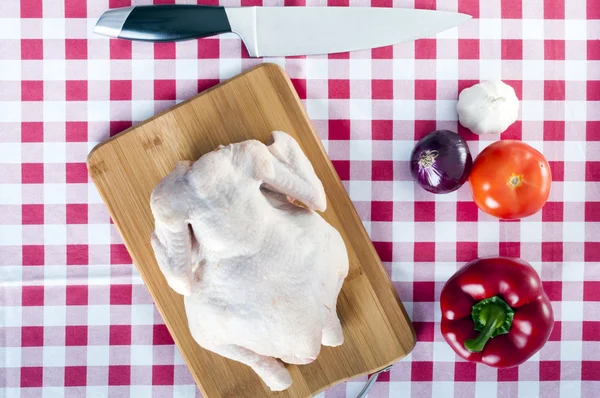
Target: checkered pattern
x=75, y=318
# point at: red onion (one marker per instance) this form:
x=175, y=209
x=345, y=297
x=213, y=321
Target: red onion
x=441, y=161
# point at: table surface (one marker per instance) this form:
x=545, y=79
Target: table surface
x=75, y=318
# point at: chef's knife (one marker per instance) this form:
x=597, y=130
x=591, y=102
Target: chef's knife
x=279, y=31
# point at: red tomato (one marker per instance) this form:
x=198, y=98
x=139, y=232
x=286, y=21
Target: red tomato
x=510, y=180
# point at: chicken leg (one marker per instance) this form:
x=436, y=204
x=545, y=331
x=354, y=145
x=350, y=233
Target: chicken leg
x=293, y=173
x=270, y=370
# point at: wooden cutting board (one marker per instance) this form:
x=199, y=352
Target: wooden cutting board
x=128, y=166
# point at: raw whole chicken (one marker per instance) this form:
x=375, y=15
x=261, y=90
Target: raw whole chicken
x=260, y=274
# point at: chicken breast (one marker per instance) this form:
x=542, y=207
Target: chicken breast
x=260, y=274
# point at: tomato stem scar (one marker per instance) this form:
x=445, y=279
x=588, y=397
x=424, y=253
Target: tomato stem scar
x=515, y=180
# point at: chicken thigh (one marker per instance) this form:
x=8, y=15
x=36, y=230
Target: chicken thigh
x=260, y=275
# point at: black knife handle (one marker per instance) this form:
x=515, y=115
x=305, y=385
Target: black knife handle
x=174, y=22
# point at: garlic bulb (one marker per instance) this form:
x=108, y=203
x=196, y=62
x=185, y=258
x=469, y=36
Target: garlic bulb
x=488, y=108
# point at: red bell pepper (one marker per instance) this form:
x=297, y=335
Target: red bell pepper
x=495, y=311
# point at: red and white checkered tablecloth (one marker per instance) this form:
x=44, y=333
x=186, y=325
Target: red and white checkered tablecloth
x=75, y=318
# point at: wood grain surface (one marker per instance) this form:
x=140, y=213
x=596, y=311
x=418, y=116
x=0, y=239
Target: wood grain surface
x=128, y=166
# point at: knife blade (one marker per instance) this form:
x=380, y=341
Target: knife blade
x=279, y=31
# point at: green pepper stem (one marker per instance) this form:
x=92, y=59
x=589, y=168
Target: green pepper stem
x=495, y=318
x=492, y=317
